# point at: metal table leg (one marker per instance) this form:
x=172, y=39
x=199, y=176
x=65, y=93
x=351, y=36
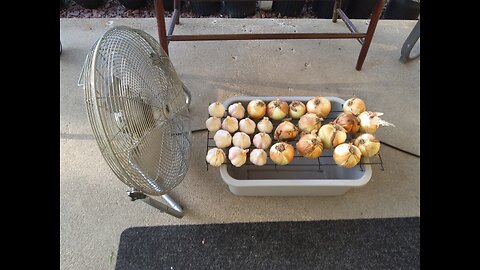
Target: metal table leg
x=410, y=43
x=162, y=30
x=377, y=11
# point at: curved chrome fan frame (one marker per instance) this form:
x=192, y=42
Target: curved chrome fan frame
x=134, y=97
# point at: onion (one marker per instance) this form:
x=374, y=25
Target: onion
x=258, y=157
x=310, y=146
x=216, y=109
x=237, y=156
x=297, y=109
x=347, y=155
x=354, y=105
x=285, y=131
x=370, y=121
x=309, y=122
x=213, y=124
x=230, y=124
x=215, y=157
x=265, y=125
x=277, y=109
x=241, y=140
x=320, y=106
x=349, y=122
x=368, y=144
x=262, y=140
x=281, y=153
x=332, y=135
x=247, y=125
x=236, y=110
x=256, y=109
x=222, y=138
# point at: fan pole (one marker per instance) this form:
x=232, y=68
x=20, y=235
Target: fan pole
x=170, y=206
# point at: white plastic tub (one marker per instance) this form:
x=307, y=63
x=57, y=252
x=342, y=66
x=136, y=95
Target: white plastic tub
x=302, y=177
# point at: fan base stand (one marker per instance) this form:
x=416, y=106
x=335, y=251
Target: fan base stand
x=169, y=206
x=188, y=95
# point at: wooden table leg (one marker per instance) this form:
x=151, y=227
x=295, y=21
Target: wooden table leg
x=377, y=11
x=162, y=30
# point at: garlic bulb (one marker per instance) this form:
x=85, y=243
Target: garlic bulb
x=370, y=121
x=265, y=125
x=310, y=146
x=285, y=131
x=332, y=135
x=368, y=144
x=309, y=122
x=247, y=125
x=237, y=156
x=222, y=138
x=297, y=109
x=349, y=122
x=236, y=110
x=230, y=124
x=256, y=109
x=282, y=153
x=262, y=140
x=258, y=157
x=354, y=105
x=277, y=109
x=215, y=157
x=241, y=140
x=216, y=109
x=213, y=124
x=347, y=155
x=320, y=106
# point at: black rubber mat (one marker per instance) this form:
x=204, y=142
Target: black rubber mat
x=392, y=243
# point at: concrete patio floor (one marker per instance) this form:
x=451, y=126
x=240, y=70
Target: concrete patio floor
x=94, y=207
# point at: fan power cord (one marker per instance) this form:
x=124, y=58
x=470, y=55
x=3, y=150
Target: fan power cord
x=399, y=149
x=382, y=142
x=199, y=130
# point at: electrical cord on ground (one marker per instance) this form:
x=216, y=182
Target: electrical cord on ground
x=199, y=130
x=387, y=144
x=399, y=149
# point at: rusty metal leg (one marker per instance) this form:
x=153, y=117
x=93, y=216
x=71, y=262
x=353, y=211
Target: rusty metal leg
x=338, y=4
x=162, y=31
x=377, y=11
x=176, y=6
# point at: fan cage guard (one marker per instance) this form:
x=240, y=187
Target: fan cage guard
x=138, y=110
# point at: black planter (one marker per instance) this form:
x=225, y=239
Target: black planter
x=402, y=10
x=292, y=8
x=360, y=9
x=324, y=8
x=205, y=7
x=133, y=4
x=168, y=5
x=90, y=4
x=240, y=9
